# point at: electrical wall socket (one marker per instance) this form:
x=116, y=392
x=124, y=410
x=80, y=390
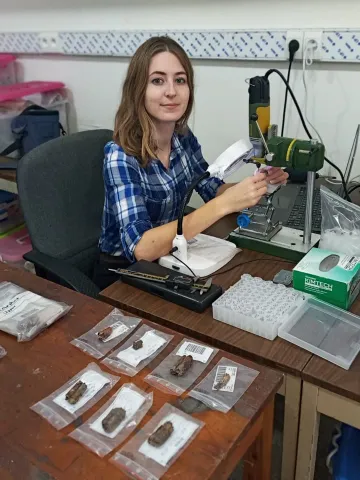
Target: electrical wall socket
x=294, y=35
x=313, y=41
x=50, y=42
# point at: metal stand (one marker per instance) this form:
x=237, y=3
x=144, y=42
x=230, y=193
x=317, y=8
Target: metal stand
x=309, y=204
x=264, y=236
x=261, y=225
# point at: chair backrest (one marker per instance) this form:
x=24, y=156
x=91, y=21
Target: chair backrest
x=61, y=191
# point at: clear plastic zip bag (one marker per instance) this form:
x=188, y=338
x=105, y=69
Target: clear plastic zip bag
x=340, y=224
x=3, y=352
x=138, y=350
x=222, y=388
x=25, y=314
x=182, y=367
x=150, y=453
x=115, y=420
x=74, y=398
x=102, y=338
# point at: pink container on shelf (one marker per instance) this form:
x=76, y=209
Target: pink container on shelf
x=15, y=98
x=5, y=59
x=14, y=245
x=7, y=69
x=20, y=90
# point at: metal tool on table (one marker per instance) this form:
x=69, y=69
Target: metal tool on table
x=193, y=293
x=272, y=150
x=180, y=282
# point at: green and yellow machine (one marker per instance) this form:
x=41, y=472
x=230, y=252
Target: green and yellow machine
x=258, y=232
x=270, y=149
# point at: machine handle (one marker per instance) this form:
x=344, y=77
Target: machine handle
x=254, y=118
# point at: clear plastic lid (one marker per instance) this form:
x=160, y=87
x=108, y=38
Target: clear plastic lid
x=325, y=330
x=20, y=90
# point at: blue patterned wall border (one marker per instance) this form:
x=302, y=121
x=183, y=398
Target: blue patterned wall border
x=341, y=46
x=200, y=44
x=221, y=45
x=337, y=45
x=19, y=42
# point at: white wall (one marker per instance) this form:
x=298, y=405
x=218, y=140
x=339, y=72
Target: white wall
x=214, y=14
x=220, y=115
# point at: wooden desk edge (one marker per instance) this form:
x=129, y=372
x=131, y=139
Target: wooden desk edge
x=331, y=387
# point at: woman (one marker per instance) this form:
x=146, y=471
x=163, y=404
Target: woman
x=154, y=158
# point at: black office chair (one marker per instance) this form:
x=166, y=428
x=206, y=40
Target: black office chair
x=61, y=192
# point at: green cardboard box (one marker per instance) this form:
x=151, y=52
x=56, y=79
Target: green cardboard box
x=332, y=277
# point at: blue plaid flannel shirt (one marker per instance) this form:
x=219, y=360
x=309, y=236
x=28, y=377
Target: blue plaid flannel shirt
x=137, y=198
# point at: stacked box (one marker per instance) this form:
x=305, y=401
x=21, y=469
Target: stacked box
x=332, y=277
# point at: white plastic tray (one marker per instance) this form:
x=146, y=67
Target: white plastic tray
x=325, y=330
x=257, y=306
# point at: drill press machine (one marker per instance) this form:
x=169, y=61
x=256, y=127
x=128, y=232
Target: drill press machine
x=256, y=229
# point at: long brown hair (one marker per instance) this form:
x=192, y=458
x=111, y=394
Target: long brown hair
x=134, y=130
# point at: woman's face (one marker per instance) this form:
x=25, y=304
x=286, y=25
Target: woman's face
x=167, y=93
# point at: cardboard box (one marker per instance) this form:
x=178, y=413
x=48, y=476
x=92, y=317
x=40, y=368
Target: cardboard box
x=332, y=277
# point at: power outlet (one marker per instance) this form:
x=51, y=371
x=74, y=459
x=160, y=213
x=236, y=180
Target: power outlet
x=313, y=44
x=294, y=35
x=50, y=42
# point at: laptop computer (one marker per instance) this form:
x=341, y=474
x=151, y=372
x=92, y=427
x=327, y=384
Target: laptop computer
x=290, y=205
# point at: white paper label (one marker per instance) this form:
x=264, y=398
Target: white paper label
x=200, y=353
x=117, y=329
x=220, y=372
x=349, y=262
x=94, y=381
x=183, y=430
x=127, y=399
x=151, y=343
x=16, y=304
x=24, y=305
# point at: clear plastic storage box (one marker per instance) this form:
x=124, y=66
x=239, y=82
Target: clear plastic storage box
x=325, y=330
x=15, y=98
x=257, y=306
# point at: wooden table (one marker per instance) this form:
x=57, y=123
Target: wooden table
x=7, y=178
x=277, y=354
x=332, y=391
x=32, y=449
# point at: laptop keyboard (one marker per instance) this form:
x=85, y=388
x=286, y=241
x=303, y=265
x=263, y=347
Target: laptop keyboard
x=296, y=218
